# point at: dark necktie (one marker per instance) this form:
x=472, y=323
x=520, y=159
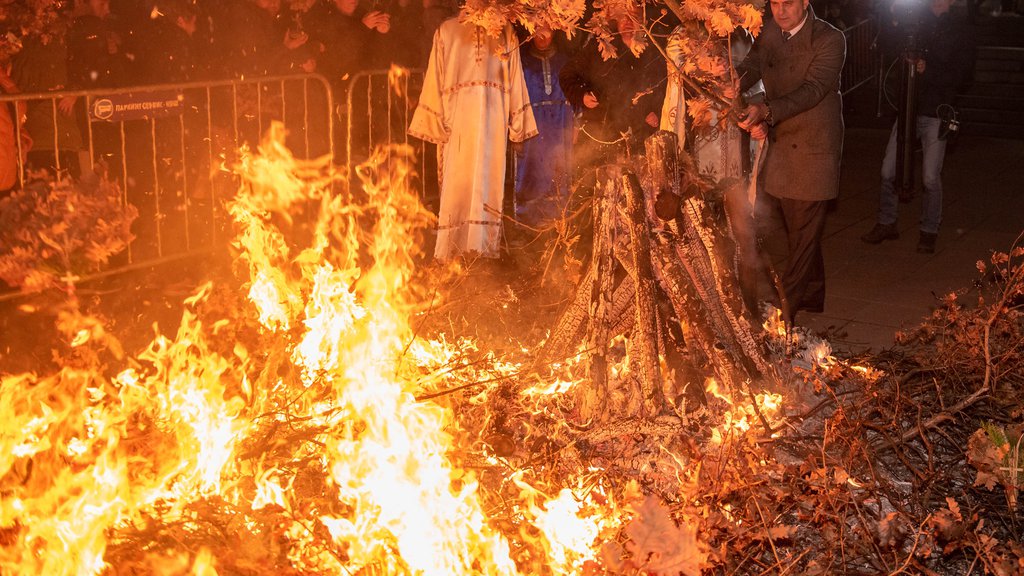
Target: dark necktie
x=786, y=35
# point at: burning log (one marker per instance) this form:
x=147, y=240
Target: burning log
x=653, y=245
x=600, y=304
x=646, y=308
x=704, y=248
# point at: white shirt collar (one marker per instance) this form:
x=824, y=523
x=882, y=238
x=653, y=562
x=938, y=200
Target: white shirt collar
x=798, y=26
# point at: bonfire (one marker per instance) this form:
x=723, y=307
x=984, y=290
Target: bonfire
x=319, y=411
x=319, y=399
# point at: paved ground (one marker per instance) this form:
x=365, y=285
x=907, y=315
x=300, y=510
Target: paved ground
x=873, y=291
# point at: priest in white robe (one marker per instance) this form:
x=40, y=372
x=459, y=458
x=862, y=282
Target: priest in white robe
x=474, y=100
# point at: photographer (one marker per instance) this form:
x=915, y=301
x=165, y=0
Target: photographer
x=938, y=51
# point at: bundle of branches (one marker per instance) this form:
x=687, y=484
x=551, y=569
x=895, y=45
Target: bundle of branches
x=52, y=232
x=880, y=464
x=942, y=429
x=902, y=462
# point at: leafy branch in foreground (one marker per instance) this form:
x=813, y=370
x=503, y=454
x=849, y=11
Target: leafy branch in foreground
x=708, y=28
x=52, y=232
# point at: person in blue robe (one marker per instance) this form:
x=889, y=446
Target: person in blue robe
x=544, y=164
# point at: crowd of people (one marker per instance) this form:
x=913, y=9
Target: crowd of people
x=108, y=43
x=619, y=102
x=104, y=44
x=564, y=107
x=790, y=76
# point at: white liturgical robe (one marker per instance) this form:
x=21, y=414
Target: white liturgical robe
x=474, y=100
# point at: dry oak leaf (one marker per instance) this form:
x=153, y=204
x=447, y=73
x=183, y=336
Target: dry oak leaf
x=658, y=545
x=713, y=65
x=892, y=530
x=721, y=23
x=699, y=110
x=751, y=17
x=986, y=457
x=949, y=525
x=775, y=533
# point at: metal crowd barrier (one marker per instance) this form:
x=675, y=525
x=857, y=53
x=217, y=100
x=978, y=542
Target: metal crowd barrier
x=862, y=61
x=168, y=146
x=378, y=106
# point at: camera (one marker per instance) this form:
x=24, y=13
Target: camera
x=949, y=122
x=948, y=129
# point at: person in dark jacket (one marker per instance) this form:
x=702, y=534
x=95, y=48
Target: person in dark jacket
x=42, y=66
x=543, y=163
x=171, y=47
x=619, y=101
x=95, y=55
x=256, y=37
x=944, y=66
x=619, y=98
x=345, y=33
x=348, y=34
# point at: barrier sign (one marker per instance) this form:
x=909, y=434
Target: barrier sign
x=140, y=106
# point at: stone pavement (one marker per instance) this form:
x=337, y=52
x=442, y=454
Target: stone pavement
x=875, y=290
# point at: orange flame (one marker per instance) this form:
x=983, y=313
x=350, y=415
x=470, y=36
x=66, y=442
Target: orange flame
x=89, y=460
x=386, y=452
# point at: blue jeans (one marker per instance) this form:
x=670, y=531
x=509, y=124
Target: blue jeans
x=931, y=167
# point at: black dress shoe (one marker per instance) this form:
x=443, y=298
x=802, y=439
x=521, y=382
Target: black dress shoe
x=880, y=233
x=814, y=308
x=926, y=243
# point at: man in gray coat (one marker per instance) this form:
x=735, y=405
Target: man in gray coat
x=799, y=58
